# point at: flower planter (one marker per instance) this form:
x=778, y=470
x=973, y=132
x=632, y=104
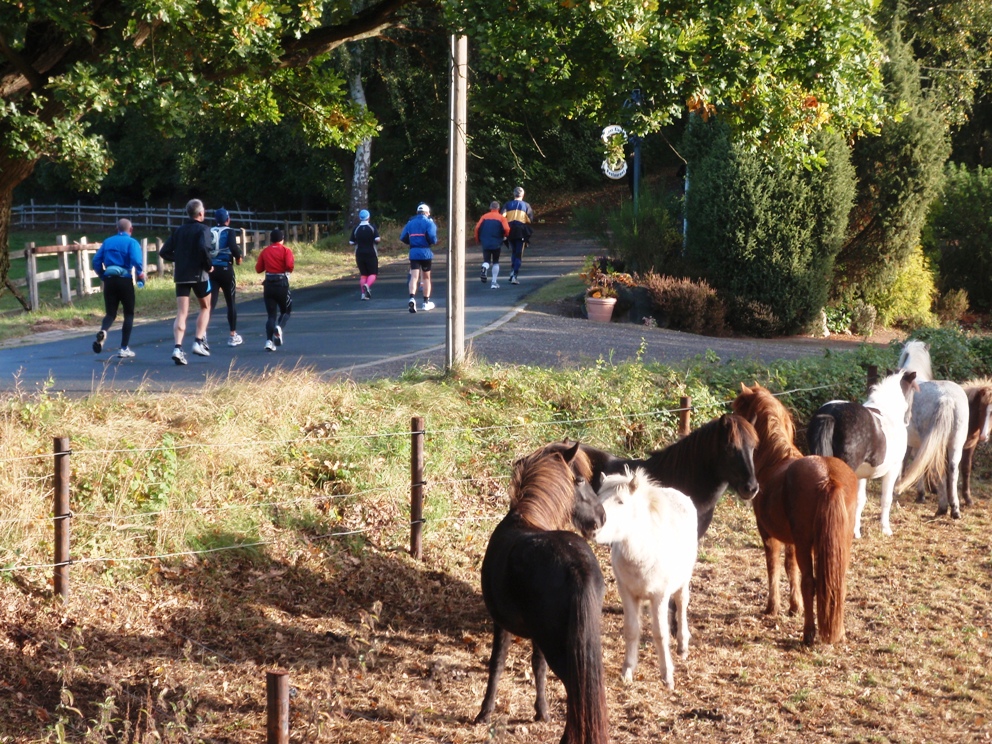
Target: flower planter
x=600, y=309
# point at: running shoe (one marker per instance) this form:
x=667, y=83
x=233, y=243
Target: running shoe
x=365, y=295
x=485, y=276
x=125, y=353
x=494, y=285
x=179, y=356
x=277, y=336
x=513, y=279
x=269, y=346
x=235, y=340
x=428, y=306
x=101, y=336
x=204, y=344
x=368, y=293
x=200, y=349
x=412, y=304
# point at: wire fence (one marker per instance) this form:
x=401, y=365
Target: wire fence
x=117, y=521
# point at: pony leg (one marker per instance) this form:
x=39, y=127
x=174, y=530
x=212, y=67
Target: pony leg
x=888, y=485
x=949, y=489
x=497, y=660
x=804, y=559
x=540, y=667
x=631, y=633
x=772, y=549
x=967, y=458
x=682, y=601
x=862, y=500
x=659, y=622
x=796, y=603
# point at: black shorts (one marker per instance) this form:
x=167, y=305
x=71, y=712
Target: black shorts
x=200, y=289
x=420, y=264
x=368, y=263
x=491, y=255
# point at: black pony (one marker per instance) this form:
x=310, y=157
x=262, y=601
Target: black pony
x=700, y=465
x=542, y=582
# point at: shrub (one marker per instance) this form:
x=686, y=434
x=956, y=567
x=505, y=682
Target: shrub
x=952, y=305
x=763, y=230
x=863, y=317
x=960, y=233
x=685, y=305
x=908, y=300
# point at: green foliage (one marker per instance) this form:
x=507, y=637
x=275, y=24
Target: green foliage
x=960, y=233
x=764, y=232
x=908, y=301
x=899, y=172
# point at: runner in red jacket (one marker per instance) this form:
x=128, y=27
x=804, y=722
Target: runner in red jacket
x=277, y=262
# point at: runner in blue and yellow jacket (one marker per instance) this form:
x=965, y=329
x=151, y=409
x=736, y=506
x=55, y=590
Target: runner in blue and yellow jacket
x=520, y=216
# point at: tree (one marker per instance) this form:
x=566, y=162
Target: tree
x=899, y=174
x=763, y=230
x=63, y=65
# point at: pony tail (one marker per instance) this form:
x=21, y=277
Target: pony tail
x=820, y=436
x=834, y=535
x=930, y=458
x=586, y=720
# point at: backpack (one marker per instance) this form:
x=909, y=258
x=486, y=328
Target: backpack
x=215, y=247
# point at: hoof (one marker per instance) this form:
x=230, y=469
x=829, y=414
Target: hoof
x=482, y=718
x=941, y=511
x=628, y=676
x=920, y=499
x=887, y=531
x=955, y=514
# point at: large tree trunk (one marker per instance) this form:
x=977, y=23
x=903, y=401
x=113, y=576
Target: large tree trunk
x=12, y=173
x=363, y=154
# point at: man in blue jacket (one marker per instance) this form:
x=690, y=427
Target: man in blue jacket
x=113, y=262
x=520, y=217
x=420, y=234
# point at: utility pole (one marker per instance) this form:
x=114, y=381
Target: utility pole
x=457, y=161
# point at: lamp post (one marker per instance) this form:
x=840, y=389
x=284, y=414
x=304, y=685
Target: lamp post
x=635, y=101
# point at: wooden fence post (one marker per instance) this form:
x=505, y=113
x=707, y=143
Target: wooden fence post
x=65, y=284
x=31, y=275
x=416, y=487
x=685, y=411
x=61, y=516
x=277, y=706
x=872, y=376
x=159, y=262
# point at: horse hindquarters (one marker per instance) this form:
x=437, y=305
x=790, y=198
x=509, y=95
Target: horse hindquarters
x=832, y=539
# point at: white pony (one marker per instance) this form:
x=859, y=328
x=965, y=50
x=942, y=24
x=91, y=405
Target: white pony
x=938, y=429
x=652, y=533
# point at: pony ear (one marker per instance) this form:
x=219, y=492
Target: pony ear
x=744, y=388
x=570, y=453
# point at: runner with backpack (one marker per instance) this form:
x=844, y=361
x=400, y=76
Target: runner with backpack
x=225, y=252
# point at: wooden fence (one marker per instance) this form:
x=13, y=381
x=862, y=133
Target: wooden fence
x=79, y=216
x=78, y=280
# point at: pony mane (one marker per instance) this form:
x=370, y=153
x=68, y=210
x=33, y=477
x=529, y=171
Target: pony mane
x=700, y=444
x=581, y=464
x=542, y=491
x=887, y=395
x=915, y=357
x=979, y=388
x=773, y=422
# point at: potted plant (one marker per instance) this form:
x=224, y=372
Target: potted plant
x=601, y=282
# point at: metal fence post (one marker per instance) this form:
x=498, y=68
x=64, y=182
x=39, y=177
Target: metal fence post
x=277, y=706
x=416, y=487
x=61, y=515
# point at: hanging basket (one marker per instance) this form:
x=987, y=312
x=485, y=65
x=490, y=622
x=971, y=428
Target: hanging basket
x=600, y=309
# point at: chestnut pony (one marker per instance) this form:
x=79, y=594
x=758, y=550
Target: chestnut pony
x=806, y=504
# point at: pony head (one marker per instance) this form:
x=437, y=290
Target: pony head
x=915, y=357
x=771, y=419
x=740, y=440
x=621, y=507
x=548, y=494
x=893, y=396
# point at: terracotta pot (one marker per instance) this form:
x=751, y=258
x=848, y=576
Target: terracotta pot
x=600, y=309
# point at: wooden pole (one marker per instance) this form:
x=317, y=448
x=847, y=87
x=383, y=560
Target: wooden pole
x=277, y=706
x=31, y=274
x=417, y=487
x=61, y=516
x=457, y=197
x=685, y=411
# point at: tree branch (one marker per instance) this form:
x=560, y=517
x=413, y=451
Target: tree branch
x=370, y=22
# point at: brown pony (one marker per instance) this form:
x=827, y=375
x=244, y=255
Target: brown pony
x=979, y=394
x=808, y=505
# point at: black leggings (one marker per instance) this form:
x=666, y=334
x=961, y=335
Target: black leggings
x=278, y=304
x=119, y=290
x=223, y=280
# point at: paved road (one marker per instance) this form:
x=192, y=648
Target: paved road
x=331, y=330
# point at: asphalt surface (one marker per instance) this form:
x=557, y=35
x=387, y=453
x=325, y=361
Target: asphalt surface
x=335, y=333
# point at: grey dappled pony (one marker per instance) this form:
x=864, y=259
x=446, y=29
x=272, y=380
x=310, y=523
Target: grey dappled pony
x=938, y=429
